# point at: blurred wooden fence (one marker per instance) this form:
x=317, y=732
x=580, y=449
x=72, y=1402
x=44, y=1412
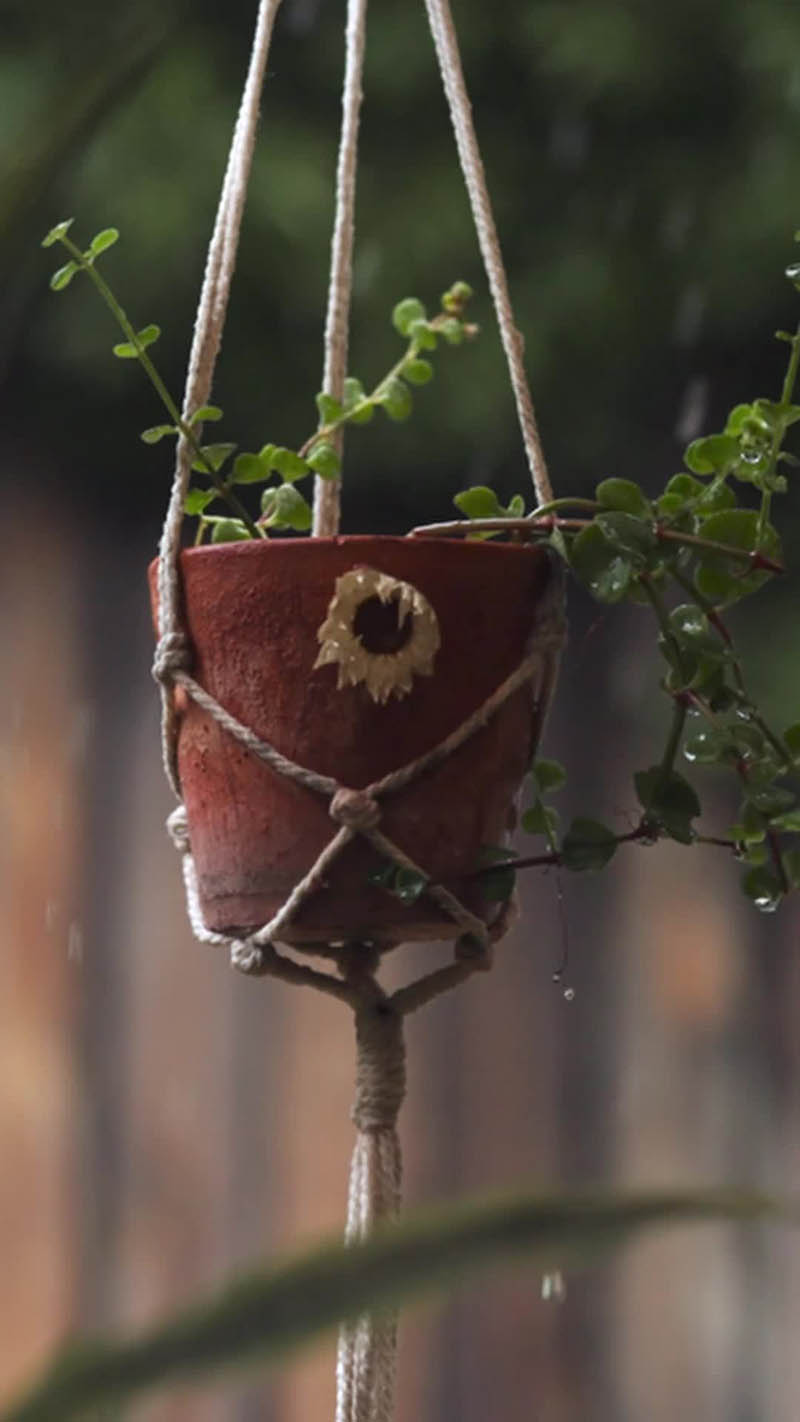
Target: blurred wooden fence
x=163, y=1121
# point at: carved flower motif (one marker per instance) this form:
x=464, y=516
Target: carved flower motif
x=379, y=631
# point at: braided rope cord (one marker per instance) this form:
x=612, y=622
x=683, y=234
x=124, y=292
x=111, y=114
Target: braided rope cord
x=327, y=491
x=445, y=42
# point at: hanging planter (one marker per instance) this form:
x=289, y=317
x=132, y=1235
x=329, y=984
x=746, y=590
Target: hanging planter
x=355, y=657
x=346, y=721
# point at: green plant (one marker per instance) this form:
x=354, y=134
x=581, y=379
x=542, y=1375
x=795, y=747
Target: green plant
x=274, y=468
x=702, y=545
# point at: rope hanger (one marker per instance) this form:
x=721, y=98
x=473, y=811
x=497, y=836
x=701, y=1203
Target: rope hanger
x=366, y=1358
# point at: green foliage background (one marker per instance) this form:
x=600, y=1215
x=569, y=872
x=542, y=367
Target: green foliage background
x=642, y=162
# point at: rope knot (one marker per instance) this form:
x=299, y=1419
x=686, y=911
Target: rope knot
x=246, y=956
x=178, y=829
x=381, y=1067
x=173, y=654
x=355, y=809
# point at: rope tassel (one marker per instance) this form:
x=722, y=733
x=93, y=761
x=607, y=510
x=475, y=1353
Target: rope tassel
x=365, y=1365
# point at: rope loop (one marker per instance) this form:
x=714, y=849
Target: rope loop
x=354, y=808
x=381, y=1066
x=173, y=654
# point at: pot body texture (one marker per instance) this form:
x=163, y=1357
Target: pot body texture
x=252, y=613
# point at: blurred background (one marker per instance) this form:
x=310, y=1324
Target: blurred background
x=163, y=1121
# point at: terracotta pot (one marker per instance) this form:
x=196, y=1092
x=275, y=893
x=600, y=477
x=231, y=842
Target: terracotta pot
x=252, y=613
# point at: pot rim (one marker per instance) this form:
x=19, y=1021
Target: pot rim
x=248, y=548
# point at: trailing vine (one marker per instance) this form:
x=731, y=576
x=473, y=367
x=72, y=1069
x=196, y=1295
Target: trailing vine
x=703, y=544
x=274, y=468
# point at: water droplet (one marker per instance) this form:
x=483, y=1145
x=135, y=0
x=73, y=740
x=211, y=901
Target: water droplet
x=558, y=975
x=569, y=994
x=75, y=943
x=767, y=903
x=793, y=271
x=752, y=456
x=745, y=713
x=554, y=1290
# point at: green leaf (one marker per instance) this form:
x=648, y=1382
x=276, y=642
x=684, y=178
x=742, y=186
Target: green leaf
x=423, y=335
x=712, y=453
x=382, y=875
x=737, y=417
x=103, y=240
x=625, y=496
x=453, y=331
x=228, y=530
x=396, y=399
x=205, y=412
x=63, y=276
x=355, y=394
x=408, y=885
x=791, y=866
x=457, y=296
x=588, y=845
x=328, y=408
x=156, y=433
x=406, y=313
x=291, y=510
x=250, y=469
x=763, y=887
x=540, y=819
x=324, y=460
x=722, y=579
x=148, y=335
x=479, y=502
x=708, y=746
x=630, y=535
x=771, y=800
x=753, y=824
x=124, y=350
x=548, y=775
x=214, y=456
x=56, y=233
x=790, y=821
x=693, y=629
x=198, y=499
x=516, y=507
x=777, y=414
x=792, y=738
x=685, y=486
x=497, y=886
x=268, y=1313
x=598, y=564
x=668, y=800
x=289, y=465
x=418, y=371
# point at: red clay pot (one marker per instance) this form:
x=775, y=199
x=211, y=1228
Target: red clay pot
x=252, y=613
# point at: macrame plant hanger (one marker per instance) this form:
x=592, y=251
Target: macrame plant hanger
x=366, y=1358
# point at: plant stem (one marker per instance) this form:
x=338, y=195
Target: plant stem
x=679, y=703
x=642, y=834
x=789, y=382
x=564, y=504
x=361, y=406
x=541, y=528
x=104, y=290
